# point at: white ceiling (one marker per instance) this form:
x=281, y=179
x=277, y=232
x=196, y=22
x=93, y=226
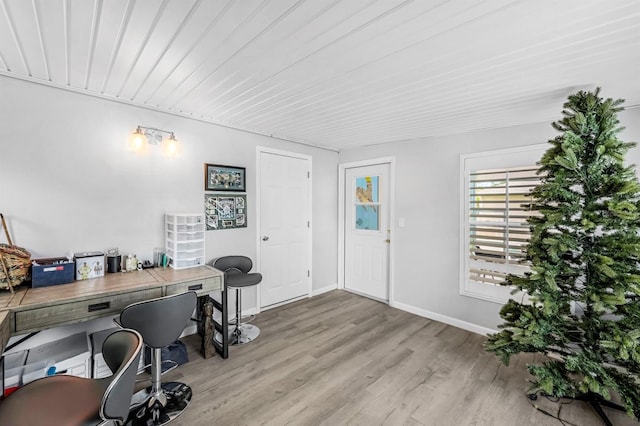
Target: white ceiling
x=331, y=73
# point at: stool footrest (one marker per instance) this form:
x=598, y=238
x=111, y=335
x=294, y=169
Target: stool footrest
x=244, y=334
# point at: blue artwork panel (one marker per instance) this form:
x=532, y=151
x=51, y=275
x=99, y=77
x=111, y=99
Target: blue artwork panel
x=367, y=217
x=367, y=189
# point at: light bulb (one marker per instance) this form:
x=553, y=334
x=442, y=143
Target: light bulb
x=170, y=145
x=137, y=140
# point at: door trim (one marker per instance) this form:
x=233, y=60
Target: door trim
x=342, y=169
x=267, y=150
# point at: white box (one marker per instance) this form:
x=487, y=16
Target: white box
x=22, y=375
x=89, y=265
x=13, y=368
x=70, y=355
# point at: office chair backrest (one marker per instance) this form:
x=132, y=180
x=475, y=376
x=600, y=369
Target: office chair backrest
x=161, y=320
x=121, y=351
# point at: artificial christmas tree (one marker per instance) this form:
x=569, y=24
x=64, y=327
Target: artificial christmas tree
x=583, y=310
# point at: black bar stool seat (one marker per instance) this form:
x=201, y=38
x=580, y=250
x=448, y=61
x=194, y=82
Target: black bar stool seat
x=237, y=276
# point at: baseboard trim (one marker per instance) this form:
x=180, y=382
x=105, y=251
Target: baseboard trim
x=286, y=302
x=249, y=311
x=474, y=328
x=189, y=330
x=326, y=289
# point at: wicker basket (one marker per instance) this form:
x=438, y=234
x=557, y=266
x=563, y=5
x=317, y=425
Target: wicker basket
x=15, y=262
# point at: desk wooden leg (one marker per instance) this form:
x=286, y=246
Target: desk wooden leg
x=208, y=329
x=207, y=325
x=225, y=325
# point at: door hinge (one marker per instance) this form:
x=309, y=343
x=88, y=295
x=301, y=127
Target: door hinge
x=308, y=224
x=308, y=175
x=308, y=273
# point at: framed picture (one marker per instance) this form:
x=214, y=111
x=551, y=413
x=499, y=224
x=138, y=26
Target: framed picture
x=224, y=178
x=225, y=211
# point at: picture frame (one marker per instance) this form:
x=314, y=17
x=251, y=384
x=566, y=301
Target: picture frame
x=225, y=211
x=218, y=177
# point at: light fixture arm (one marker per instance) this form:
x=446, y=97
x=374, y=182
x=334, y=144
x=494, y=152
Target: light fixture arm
x=153, y=129
x=154, y=136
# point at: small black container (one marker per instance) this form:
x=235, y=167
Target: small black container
x=113, y=263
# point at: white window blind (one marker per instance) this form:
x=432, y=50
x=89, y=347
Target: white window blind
x=495, y=206
x=499, y=205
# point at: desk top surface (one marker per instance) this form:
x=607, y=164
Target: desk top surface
x=109, y=284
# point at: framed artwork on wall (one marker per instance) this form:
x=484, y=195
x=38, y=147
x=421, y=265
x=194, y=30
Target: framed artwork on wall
x=225, y=211
x=218, y=177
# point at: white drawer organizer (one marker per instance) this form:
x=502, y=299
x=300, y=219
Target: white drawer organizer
x=184, y=239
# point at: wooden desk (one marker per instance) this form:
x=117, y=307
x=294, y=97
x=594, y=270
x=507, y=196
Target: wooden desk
x=5, y=329
x=35, y=309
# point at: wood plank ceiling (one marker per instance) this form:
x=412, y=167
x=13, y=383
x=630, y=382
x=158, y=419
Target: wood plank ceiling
x=331, y=73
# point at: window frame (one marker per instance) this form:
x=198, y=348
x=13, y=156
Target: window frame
x=487, y=160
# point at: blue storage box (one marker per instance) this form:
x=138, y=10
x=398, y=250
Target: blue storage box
x=52, y=271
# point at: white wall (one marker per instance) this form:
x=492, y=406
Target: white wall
x=428, y=198
x=69, y=183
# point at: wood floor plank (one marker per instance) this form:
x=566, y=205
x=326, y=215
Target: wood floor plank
x=341, y=359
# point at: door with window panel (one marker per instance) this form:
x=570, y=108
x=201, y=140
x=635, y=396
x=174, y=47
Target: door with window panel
x=367, y=231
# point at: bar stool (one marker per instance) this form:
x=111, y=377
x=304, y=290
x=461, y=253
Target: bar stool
x=236, y=275
x=160, y=322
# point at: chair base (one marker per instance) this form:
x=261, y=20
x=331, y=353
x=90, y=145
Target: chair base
x=145, y=412
x=248, y=333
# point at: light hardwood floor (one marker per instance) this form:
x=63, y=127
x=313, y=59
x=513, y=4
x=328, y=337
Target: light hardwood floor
x=341, y=359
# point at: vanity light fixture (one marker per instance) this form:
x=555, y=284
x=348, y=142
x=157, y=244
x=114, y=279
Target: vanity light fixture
x=143, y=136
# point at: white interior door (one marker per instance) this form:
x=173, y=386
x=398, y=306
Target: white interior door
x=285, y=215
x=366, y=225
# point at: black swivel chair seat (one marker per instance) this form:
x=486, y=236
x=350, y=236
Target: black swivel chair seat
x=236, y=275
x=160, y=322
x=70, y=400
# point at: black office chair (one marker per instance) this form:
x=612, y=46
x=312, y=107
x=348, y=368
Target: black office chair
x=236, y=275
x=70, y=400
x=160, y=321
